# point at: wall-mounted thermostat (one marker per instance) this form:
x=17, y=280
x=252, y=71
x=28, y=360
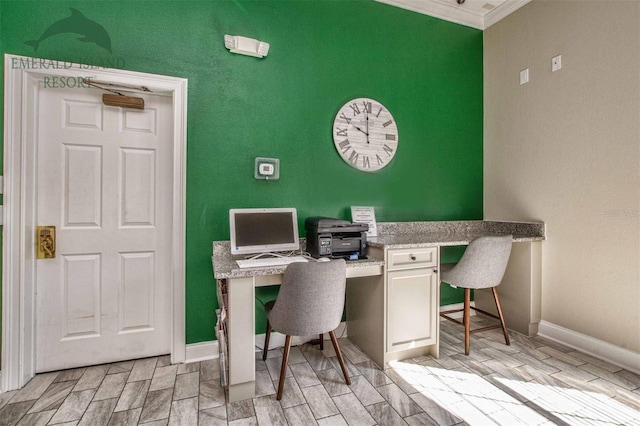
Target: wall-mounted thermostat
x=267, y=168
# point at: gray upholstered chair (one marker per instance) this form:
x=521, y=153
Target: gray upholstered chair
x=310, y=302
x=482, y=266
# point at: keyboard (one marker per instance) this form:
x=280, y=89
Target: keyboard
x=270, y=261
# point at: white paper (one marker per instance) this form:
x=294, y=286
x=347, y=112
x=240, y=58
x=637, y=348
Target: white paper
x=366, y=215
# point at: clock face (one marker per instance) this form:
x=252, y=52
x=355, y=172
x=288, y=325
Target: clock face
x=365, y=134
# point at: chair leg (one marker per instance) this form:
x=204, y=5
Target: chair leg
x=266, y=342
x=321, y=342
x=283, y=369
x=467, y=319
x=336, y=346
x=494, y=290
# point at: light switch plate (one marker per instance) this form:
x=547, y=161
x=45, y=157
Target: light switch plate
x=267, y=168
x=556, y=63
x=524, y=76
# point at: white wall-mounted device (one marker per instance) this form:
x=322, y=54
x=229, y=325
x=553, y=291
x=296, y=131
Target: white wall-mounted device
x=246, y=46
x=524, y=76
x=267, y=168
x=556, y=63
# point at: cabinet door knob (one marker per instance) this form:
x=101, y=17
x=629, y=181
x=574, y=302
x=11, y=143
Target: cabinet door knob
x=413, y=257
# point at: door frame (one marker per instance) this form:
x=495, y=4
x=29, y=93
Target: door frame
x=22, y=77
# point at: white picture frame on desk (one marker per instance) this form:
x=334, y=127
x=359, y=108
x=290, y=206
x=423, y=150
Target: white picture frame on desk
x=365, y=214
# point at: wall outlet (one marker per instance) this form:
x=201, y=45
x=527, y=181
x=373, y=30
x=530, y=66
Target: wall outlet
x=556, y=63
x=267, y=168
x=524, y=76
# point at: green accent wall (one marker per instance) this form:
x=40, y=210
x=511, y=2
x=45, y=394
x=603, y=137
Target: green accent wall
x=428, y=72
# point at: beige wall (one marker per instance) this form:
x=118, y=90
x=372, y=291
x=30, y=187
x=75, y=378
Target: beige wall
x=565, y=149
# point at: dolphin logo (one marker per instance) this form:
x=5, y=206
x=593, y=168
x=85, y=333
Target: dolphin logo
x=90, y=31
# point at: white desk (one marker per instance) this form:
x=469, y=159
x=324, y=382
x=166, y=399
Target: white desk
x=241, y=284
x=367, y=288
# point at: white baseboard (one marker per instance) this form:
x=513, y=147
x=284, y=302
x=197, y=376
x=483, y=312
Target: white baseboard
x=616, y=355
x=457, y=315
x=202, y=351
x=209, y=350
x=277, y=339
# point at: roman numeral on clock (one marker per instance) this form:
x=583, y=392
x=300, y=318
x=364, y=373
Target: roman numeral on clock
x=344, y=145
x=390, y=137
x=387, y=123
x=365, y=162
x=355, y=109
x=387, y=149
x=344, y=117
x=354, y=157
x=341, y=132
x=367, y=107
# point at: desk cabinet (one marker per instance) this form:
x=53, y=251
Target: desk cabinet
x=411, y=314
x=412, y=285
x=399, y=318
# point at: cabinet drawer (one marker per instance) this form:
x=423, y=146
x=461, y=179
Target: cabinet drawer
x=423, y=257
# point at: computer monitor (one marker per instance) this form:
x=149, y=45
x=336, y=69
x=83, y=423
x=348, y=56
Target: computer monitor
x=263, y=230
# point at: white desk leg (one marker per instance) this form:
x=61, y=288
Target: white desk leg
x=242, y=376
x=366, y=316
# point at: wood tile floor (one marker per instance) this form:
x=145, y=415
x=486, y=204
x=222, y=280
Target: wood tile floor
x=532, y=382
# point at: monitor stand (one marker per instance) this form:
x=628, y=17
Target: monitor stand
x=268, y=254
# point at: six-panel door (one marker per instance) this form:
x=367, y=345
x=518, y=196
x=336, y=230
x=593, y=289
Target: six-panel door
x=104, y=179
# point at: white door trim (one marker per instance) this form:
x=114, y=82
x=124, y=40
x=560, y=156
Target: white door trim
x=18, y=263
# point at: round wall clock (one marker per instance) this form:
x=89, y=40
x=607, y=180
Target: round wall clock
x=365, y=134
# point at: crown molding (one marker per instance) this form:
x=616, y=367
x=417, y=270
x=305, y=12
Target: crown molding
x=502, y=12
x=459, y=15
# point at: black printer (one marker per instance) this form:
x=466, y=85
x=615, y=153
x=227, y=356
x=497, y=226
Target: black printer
x=336, y=238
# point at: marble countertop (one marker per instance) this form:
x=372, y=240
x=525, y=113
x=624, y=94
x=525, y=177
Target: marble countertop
x=451, y=233
x=396, y=235
x=224, y=265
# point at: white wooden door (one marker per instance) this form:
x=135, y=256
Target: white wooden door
x=104, y=179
